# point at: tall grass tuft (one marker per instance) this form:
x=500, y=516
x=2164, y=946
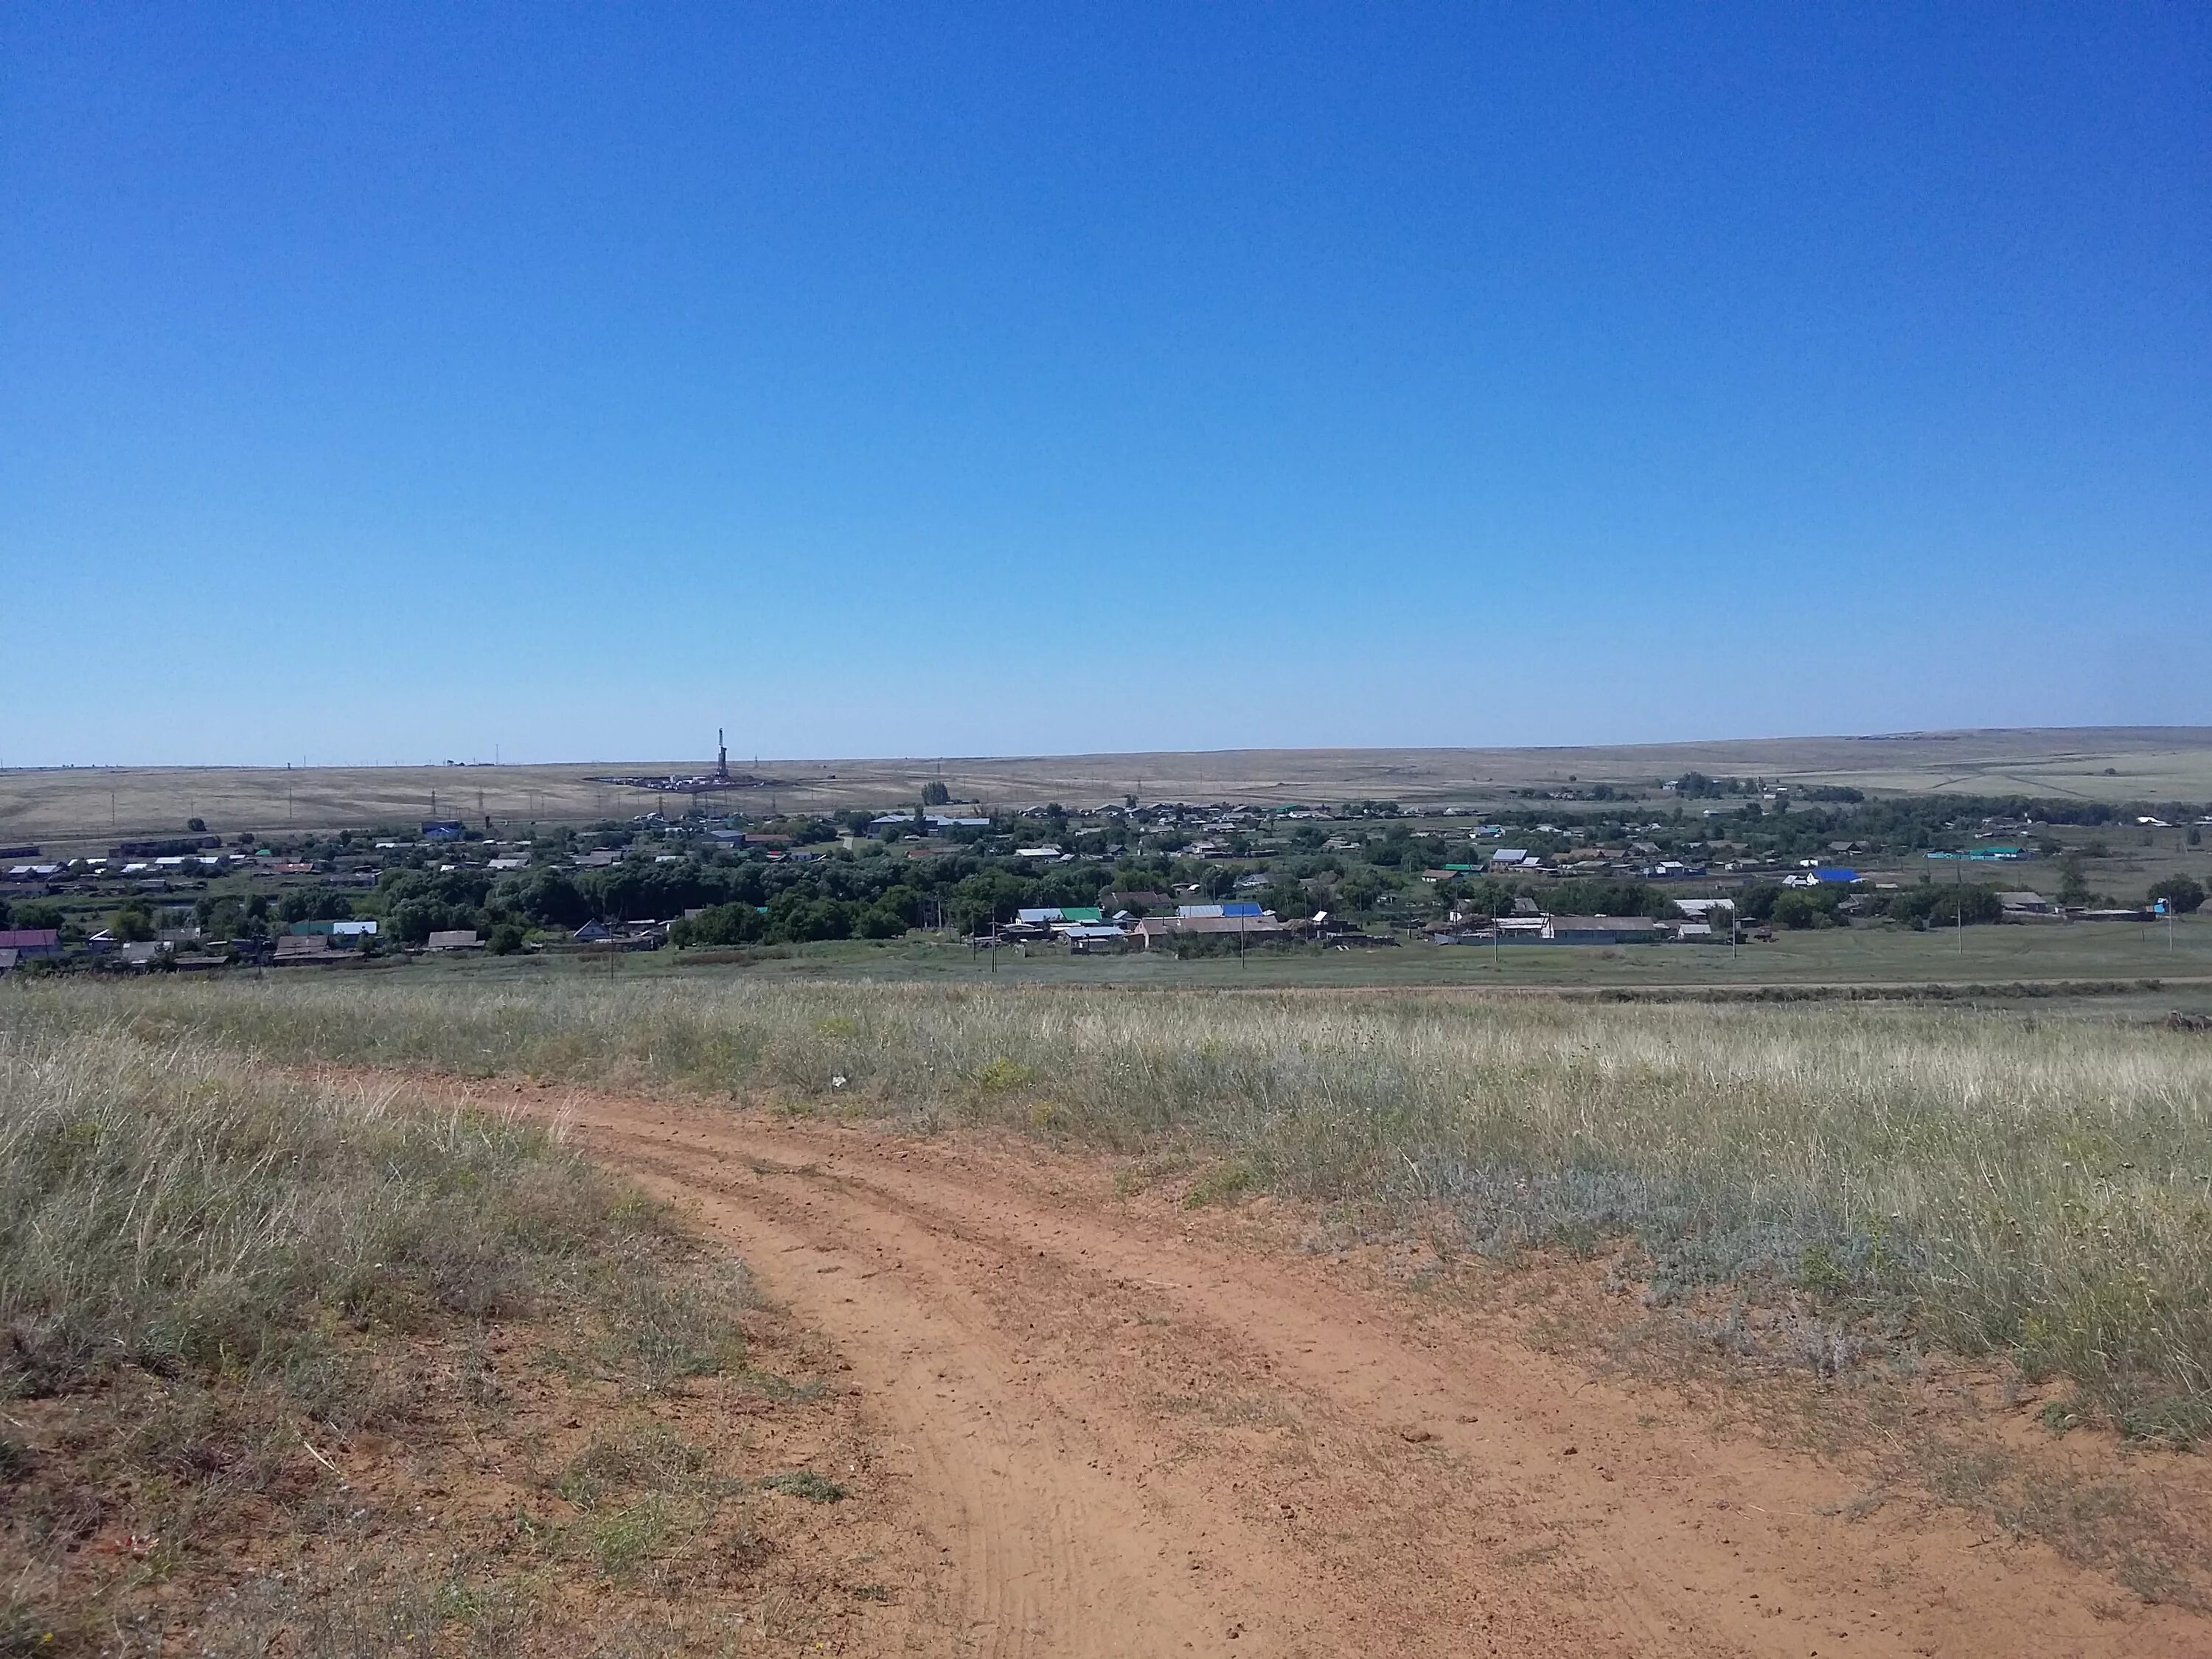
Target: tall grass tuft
x=164, y=1206
x=2036, y=1189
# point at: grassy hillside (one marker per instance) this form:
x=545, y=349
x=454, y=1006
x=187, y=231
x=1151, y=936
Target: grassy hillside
x=1873, y=1178
x=319, y=1370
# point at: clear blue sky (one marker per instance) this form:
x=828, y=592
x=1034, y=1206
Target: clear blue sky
x=388, y=382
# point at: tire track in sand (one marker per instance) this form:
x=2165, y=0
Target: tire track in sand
x=1134, y=1441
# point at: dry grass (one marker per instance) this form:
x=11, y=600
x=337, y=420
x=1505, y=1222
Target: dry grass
x=2145, y=763
x=2041, y=1192
x=215, y=1284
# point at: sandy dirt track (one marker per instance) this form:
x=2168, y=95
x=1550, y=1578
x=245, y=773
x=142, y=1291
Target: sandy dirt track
x=1131, y=1431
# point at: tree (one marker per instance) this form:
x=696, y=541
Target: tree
x=1941, y=904
x=548, y=897
x=934, y=794
x=719, y=925
x=37, y=913
x=985, y=898
x=1360, y=890
x=2182, y=894
x=314, y=904
x=132, y=924
x=795, y=918
x=1805, y=907
x=2073, y=884
x=1757, y=902
x=198, y=826
x=220, y=917
x=879, y=920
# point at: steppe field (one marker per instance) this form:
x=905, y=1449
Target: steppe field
x=83, y=804
x=582, y=1313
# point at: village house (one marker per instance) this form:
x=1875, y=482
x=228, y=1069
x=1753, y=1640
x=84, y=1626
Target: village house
x=29, y=943
x=1256, y=929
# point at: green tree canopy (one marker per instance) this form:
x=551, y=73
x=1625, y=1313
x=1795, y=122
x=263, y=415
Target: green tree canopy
x=2182, y=894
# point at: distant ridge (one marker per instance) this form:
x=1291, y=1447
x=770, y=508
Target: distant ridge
x=80, y=805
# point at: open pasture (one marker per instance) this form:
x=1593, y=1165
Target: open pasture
x=84, y=803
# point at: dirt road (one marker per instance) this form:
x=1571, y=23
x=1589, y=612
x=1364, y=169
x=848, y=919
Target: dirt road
x=1130, y=1432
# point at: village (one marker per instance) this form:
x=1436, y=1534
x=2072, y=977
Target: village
x=1604, y=865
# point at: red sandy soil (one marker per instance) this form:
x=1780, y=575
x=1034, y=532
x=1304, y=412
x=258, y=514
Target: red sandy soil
x=1125, y=1429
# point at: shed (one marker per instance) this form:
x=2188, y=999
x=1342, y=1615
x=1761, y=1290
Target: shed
x=1601, y=930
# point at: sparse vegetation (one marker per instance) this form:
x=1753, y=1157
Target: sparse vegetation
x=256, y=1335
x=806, y=1484
x=2038, y=1191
